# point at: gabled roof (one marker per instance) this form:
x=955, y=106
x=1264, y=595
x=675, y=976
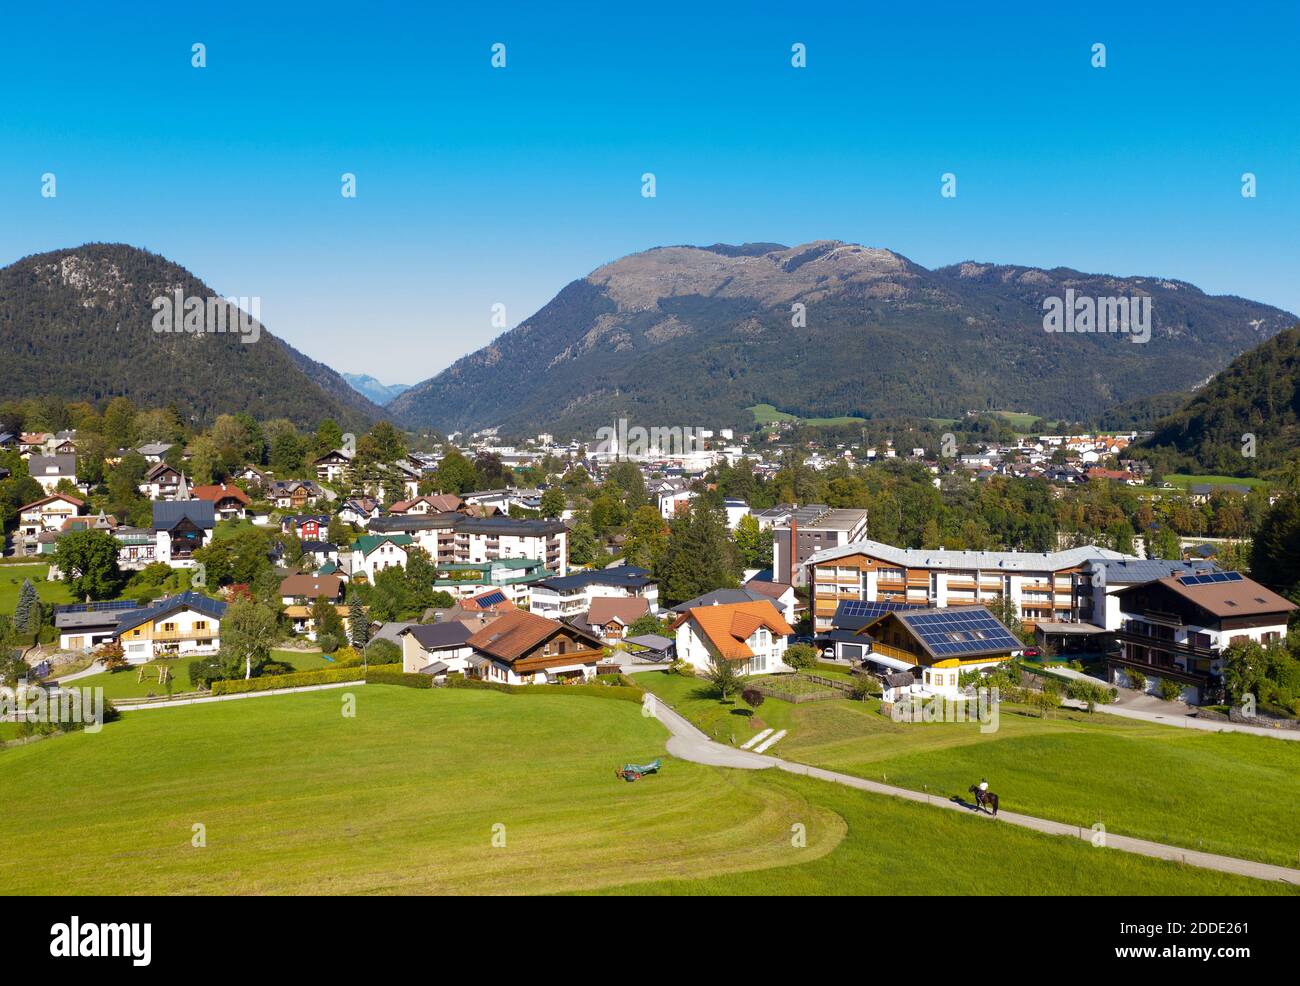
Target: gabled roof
x=214, y=608
x=433, y=636
x=609, y=609
x=1224, y=594
x=167, y=514
x=312, y=586
x=957, y=632
x=728, y=626
x=218, y=492
x=625, y=576
x=48, y=499
x=514, y=633
x=369, y=542
x=727, y=597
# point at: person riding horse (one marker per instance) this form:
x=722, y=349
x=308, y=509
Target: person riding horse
x=984, y=797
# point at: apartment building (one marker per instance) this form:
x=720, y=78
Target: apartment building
x=562, y=597
x=1041, y=584
x=811, y=529
x=454, y=538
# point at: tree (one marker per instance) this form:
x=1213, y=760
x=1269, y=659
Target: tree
x=554, y=502
x=248, y=631
x=358, y=623
x=455, y=473
x=325, y=618
x=88, y=562
x=753, y=544
x=648, y=623
x=1275, y=554
x=722, y=675
x=752, y=697
x=801, y=656
x=645, y=538
x=27, y=613
x=699, y=556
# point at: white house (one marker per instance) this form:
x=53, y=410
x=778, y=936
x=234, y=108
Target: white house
x=185, y=625
x=372, y=553
x=48, y=513
x=50, y=470
x=752, y=635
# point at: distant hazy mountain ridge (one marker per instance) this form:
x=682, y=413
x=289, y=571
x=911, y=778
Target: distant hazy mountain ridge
x=380, y=393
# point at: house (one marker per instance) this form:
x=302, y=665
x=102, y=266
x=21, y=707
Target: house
x=610, y=618
x=182, y=527
x=228, y=502
x=674, y=502
x=85, y=626
x=519, y=647
x=780, y=592
x=161, y=482
x=938, y=643
x=813, y=529
x=185, y=625
x=154, y=451
x=360, y=511
x=307, y=527
x=305, y=589
x=1099, y=580
x=372, y=553
x=48, y=513
x=332, y=467
x=421, y=505
x=736, y=509
x=137, y=547
x=293, y=494
x=320, y=552
x=752, y=635
x=50, y=470
x=254, y=476
x=1177, y=628
x=726, y=597
x=1041, y=584
x=514, y=578
x=436, y=649
x=566, y=596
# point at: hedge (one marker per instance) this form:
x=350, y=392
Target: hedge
x=387, y=676
x=325, y=676
x=625, y=693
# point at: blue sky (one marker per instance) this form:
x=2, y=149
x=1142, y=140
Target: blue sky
x=478, y=186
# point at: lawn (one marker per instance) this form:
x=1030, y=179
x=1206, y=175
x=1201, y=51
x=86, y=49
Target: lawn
x=141, y=680
x=297, y=798
x=294, y=797
x=11, y=581
x=302, y=660
x=1227, y=793
x=1185, y=480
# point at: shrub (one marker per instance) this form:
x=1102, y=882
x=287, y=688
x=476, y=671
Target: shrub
x=1168, y=690
x=864, y=688
x=111, y=654
x=387, y=676
x=1093, y=693
x=1136, y=679
x=683, y=668
x=752, y=697
x=801, y=657
x=328, y=643
x=626, y=693
x=325, y=676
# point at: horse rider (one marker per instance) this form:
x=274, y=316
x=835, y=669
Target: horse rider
x=983, y=789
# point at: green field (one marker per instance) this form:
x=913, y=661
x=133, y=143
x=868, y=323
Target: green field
x=1185, y=480
x=766, y=414
x=11, y=581
x=128, y=682
x=1226, y=793
x=294, y=797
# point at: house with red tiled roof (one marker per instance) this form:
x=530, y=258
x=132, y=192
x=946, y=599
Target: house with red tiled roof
x=520, y=648
x=228, y=502
x=752, y=635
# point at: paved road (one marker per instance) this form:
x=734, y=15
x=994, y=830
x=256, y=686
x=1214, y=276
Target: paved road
x=1148, y=708
x=689, y=743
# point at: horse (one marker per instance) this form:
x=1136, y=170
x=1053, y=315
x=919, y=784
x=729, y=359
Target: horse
x=983, y=798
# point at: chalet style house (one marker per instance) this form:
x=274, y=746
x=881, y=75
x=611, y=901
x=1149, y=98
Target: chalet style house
x=519, y=648
x=1177, y=629
x=333, y=466
x=161, y=482
x=228, y=502
x=182, y=527
x=183, y=625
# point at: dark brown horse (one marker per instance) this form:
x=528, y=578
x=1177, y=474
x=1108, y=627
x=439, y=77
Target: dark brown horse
x=983, y=798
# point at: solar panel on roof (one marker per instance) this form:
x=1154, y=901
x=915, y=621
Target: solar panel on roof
x=1210, y=578
x=491, y=599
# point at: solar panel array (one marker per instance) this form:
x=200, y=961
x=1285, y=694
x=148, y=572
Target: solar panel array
x=962, y=631
x=491, y=598
x=103, y=607
x=1212, y=577
x=870, y=610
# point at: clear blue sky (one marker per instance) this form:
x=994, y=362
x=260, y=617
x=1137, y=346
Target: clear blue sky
x=478, y=186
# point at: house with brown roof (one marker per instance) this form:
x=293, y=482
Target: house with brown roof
x=308, y=588
x=609, y=617
x=752, y=635
x=519, y=648
x=228, y=502
x=1177, y=628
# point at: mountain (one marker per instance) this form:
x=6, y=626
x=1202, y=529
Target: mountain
x=1257, y=394
x=380, y=393
x=683, y=335
x=80, y=324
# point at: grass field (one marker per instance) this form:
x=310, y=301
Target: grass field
x=11, y=581
x=766, y=414
x=126, y=682
x=1185, y=480
x=294, y=797
x=1226, y=793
